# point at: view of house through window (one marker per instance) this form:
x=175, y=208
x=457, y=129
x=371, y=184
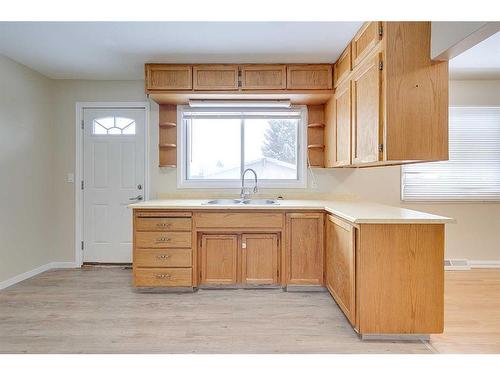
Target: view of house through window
x=220, y=145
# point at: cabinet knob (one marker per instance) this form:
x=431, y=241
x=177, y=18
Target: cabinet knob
x=163, y=276
x=163, y=256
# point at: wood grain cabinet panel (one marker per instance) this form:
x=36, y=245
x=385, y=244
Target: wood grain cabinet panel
x=163, y=258
x=309, y=77
x=340, y=265
x=219, y=259
x=169, y=77
x=162, y=239
x=163, y=224
x=304, y=248
x=163, y=277
x=221, y=220
x=365, y=40
x=367, y=111
x=263, y=77
x=259, y=259
x=215, y=77
x=343, y=114
x=343, y=66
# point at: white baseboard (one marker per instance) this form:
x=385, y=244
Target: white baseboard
x=26, y=275
x=484, y=263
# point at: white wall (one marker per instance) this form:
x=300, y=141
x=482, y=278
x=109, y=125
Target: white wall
x=26, y=162
x=475, y=236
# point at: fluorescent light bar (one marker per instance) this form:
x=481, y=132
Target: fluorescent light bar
x=205, y=103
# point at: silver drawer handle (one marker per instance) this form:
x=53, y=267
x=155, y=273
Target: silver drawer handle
x=163, y=239
x=163, y=225
x=163, y=276
x=163, y=256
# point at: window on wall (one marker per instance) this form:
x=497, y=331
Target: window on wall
x=472, y=172
x=218, y=144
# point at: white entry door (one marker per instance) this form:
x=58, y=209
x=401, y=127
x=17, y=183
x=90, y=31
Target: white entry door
x=114, y=154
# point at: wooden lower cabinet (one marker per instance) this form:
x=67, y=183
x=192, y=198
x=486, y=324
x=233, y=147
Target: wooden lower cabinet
x=340, y=264
x=304, y=248
x=219, y=255
x=259, y=259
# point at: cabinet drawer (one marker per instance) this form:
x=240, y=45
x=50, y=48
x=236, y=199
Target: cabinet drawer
x=162, y=239
x=364, y=41
x=215, y=77
x=169, y=77
x=238, y=220
x=309, y=77
x=163, y=258
x=263, y=77
x=343, y=66
x=163, y=224
x=147, y=277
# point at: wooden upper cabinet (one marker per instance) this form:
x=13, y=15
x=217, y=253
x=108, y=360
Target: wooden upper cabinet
x=367, y=111
x=309, y=77
x=343, y=115
x=169, y=77
x=341, y=265
x=263, y=77
x=365, y=40
x=215, y=77
x=259, y=259
x=219, y=259
x=343, y=66
x=304, y=248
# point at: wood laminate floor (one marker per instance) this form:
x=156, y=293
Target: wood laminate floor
x=472, y=313
x=96, y=310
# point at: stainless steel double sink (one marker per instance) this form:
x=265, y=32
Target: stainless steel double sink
x=236, y=202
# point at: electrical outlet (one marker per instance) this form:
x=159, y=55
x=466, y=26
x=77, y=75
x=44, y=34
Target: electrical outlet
x=70, y=178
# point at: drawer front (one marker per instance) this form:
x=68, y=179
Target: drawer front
x=238, y=220
x=148, y=277
x=163, y=224
x=162, y=239
x=163, y=258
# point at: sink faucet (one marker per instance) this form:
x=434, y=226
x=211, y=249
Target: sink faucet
x=243, y=193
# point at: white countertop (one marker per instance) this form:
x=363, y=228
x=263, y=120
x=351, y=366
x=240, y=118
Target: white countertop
x=355, y=212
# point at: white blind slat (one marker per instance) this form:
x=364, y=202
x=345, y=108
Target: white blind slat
x=473, y=171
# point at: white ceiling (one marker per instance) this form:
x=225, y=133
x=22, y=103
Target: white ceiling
x=479, y=62
x=118, y=50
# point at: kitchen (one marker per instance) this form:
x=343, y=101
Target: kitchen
x=238, y=185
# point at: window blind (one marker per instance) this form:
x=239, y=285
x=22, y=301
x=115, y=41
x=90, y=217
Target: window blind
x=472, y=172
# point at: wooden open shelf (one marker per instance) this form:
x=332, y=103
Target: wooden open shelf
x=167, y=147
x=315, y=135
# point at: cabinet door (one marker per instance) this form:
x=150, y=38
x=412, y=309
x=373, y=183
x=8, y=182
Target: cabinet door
x=365, y=40
x=169, y=77
x=263, y=77
x=259, y=259
x=304, y=246
x=309, y=77
x=343, y=66
x=343, y=124
x=219, y=259
x=367, y=111
x=215, y=77
x=340, y=264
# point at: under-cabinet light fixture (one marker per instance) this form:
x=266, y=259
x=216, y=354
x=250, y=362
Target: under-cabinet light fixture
x=204, y=103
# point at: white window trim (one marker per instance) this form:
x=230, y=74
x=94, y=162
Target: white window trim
x=407, y=200
x=184, y=183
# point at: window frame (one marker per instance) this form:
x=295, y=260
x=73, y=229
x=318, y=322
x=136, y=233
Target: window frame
x=184, y=183
x=448, y=199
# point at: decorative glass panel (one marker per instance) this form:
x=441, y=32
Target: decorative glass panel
x=113, y=126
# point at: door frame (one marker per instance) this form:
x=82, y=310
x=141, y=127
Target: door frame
x=80, y=107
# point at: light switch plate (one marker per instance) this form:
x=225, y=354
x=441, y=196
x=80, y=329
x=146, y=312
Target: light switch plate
x=70, y=178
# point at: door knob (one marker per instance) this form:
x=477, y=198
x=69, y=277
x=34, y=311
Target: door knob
x=138, y=198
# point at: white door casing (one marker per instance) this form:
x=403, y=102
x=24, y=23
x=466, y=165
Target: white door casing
x=113, y=173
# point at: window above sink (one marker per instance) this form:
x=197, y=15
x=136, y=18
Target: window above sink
x=215, y=145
